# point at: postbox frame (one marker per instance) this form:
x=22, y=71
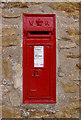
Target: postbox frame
x=26, y=43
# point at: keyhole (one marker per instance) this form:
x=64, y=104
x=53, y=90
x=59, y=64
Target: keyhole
x=34, y=74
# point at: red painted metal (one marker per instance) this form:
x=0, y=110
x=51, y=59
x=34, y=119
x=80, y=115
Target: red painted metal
x=39, y=83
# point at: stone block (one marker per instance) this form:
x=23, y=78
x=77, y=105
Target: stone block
x=6, y=69
x=70, y=87
x=10, y=37
x=14, y=98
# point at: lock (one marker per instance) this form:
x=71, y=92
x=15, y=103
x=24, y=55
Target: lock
x=35, y=73
x=39, y=58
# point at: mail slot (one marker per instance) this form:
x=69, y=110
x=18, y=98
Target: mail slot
x=39, y=58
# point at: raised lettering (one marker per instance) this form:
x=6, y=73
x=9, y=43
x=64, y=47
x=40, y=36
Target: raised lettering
x=46, y=23
x=31, y=23
x=39, y=22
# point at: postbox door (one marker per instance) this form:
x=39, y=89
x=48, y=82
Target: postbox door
x=39, y=58
x=39, y=71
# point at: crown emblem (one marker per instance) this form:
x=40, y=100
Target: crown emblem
x=39, y=22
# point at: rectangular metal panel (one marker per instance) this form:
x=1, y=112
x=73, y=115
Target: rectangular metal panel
x=39, y=85
x=39, y=58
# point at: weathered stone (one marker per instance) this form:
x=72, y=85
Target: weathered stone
x=17, y=80
x=72, y=31
x=10, y=37
x=0, y=50
x=36, y=3
x=75, y=104
x=25, y=113
x=9, y=112
x=0, y=68
x=6, y=69
x=14, y=98
x=0, y=111
x=66, y=39
x=74, y=56
x=60, y=73
x=0, y=97
x=11, y=13
x=15, y=5
x=78, y=65
x=50, y=111
x=17, y=76
x=67, y=7
x=6, y=89
x=77, y=40
x=60, y=114
x=68, y=110
x=68, y=45
x=71, y=109
x=5, y=99
x=10, y=16
x=70, y=87
x=38, y=114
x=40, y=9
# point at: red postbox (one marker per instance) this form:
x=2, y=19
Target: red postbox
x=39, y=58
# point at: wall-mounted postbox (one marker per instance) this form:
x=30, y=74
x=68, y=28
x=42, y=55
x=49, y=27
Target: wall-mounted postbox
x=39, y=58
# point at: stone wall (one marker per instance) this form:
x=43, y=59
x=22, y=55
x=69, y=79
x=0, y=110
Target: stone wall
x=68, y=66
